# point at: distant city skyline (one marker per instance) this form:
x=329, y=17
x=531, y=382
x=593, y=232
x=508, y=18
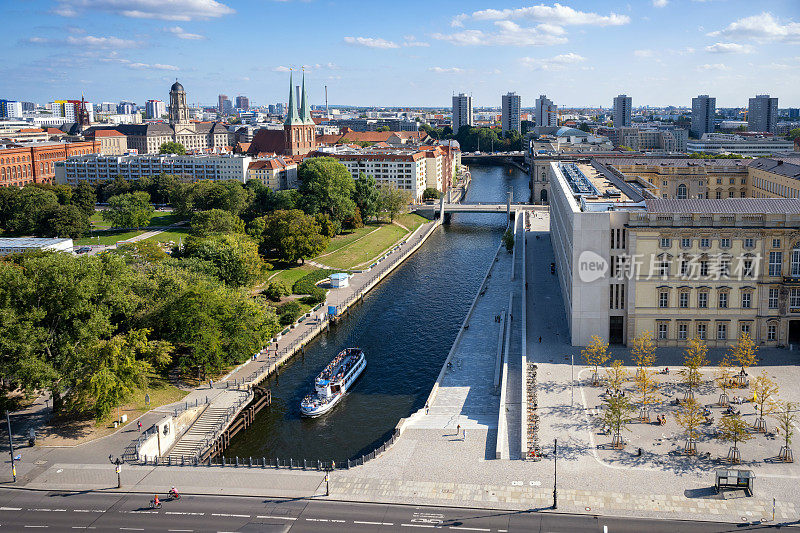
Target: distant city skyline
x=659, y=52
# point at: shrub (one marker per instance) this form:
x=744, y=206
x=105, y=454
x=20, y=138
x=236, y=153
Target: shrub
x=308, y=283
x=276, y=290
x=289, y=312
x=315, y=296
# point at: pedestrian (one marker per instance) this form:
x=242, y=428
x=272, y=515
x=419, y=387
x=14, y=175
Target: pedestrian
x=540, y=339
x=458, y=430
x=139, y=423
x=210, y=384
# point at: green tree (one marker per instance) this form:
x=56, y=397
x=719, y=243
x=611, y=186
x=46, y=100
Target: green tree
x=764, y=392
x=508, y=240
x=63, y=221
x=27, y=208
x=732, y=428
x=276, y=290
x=235, y=257
x=616, y=376
x=326, y=187
x=786, y=418
x=745, y=352
x=84, y=198
x=140, y=252
x=431, y=193
x=214, y=222
x=227, y=195
x=130, y=210
x=172, y=147
x=689, y=416
x=365, y=196
x=794, y=134
x=695, y=358
x=616, y=416
x=392, y=200
x=595, y=355
x=288, y=235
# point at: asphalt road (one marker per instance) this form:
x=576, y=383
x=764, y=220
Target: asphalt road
x=69, y=511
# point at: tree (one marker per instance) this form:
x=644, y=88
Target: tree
x=616, y=416
x=644, y=350
x=129, y=210
x=764, y=392
x=432, y=193
x=276, y=290
x=26, y=208
x=724, y=379
x=616, y=377
x=391, y=200
x=288, y=235
x=235, y=257
x=595, y=355
x=689, y=416
x=326, y=186
x=794, y=134
x=227, y=195
x=745, y=355
x=694, y=359
x=786, y=419
x=172, y=147
x=646, y=387
x=85, y=198
x=365, y=196
x=63, y=221
x=215, y=222
x=508, y=240
x=732, y=428
x=140, y=252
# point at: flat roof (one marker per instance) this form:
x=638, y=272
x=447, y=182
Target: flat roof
x=29, y=242
x=745, y=206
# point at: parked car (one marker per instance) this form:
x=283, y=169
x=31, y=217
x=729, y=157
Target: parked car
x=83, y=250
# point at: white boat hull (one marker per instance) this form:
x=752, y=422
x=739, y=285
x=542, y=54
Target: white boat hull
x=321, y=409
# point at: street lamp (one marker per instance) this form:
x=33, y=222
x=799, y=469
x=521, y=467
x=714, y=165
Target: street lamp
x=555, y=473
x=572, y=380
x=118, y=462
x=11, y=447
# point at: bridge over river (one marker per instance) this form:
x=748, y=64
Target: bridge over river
x=445, y=209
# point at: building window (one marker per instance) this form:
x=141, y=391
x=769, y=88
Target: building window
x=719, y=195
x=746, y=300
x=704, y=268
x=666, y=242
x=701, y=332
x=663, y=299
x=749, y=243
x=795, y=266
x=745, y=328
x=747, y=268
x=776, y=243
x=662, y=331
x=705, y=242
x=683, y=300
x=702, y=300
x=663, y=267
x=725, y=242
x=794, y=298
x=683, y=331
x=772, y=301
x=723, y=300
x=722, y=331
x=686, y=243
x=684, y=267
x=772, y=332
x=775, y=261
x=682, y=192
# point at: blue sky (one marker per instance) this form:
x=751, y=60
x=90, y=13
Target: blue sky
x=409, y=53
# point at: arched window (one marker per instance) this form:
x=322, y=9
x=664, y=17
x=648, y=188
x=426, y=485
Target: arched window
x=795, y=268
x=682, y=192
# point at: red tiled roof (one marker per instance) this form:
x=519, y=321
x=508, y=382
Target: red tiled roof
x=107, y=133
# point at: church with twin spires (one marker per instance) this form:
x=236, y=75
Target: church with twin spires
x=298, y=136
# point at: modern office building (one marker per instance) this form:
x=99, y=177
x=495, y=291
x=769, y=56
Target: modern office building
x=622, y=111
x=155, y=109
x=242, y=103
x=224, y=105
x=546, y=112
x=728, y=143
x=511, y=112
x=762, y=114
x=94, y=168
x=126, y=108
x=462, y=111
x=703, y=112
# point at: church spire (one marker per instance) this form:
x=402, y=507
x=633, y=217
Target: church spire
x=292, y=117
x=305, y=112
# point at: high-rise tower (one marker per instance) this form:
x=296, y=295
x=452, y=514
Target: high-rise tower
x=178, y=110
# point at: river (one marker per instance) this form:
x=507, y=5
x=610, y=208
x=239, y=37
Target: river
x=406, y=326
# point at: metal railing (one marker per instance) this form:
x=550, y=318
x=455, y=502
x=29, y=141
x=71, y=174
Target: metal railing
x=131, y=452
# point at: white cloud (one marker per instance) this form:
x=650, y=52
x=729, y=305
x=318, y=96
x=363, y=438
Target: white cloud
x=508, y=34
x=762, y=28
x=155, y=66
x=281, y=68
x=180, y=33
x=714, y=66
x=148, y=9
x=566, y=61
x=729, y=48
x=446, y=70
x=643, y=53
x=370, y=42
x=306, y=68
x=85, y=40
x=556, y=14
x=660, y=3
x=410, y=41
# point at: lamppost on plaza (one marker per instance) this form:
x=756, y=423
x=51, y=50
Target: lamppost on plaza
x=118, y=462
x=555, y=474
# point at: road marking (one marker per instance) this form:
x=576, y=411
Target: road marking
x=338, y=521
x=36, y=526
x=89, y=511
x=277, y=517
x=470, y=528
x=10, y=508
x=49, y=510
x=317, y=519
x=132, y=528
x=231, y=515
x=189, y=530
x=184, y=512
x=415, y=525
x=374, y=523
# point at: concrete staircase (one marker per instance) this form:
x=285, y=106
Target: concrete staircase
x=193, y=441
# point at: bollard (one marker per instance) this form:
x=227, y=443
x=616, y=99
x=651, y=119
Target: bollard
x=291, y=463
x=317, y=464
x=304, y=464
x=348, y=464
x=277, y=463
x=263, y=462
x=223, y=460
x=183, y=460
x=237, y=461
x=251, y=462
x=169, y=460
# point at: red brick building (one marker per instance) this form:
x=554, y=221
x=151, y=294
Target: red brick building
x=21, y=164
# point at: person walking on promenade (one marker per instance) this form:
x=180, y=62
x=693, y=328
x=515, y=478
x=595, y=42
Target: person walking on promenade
x=540, y=340
x=458, y=430
x=139, y=424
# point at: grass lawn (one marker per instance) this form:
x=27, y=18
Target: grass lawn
x=170, y=235
x=160, y=218
x=366, y=249
x=344, y=239
x=411, y=221
x=108, y=237
x=290, y=275
x=76, y=428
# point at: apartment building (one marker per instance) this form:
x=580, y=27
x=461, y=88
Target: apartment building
x=276, y=173
x=93, y=168
x=622, y=111
x=403, y=169
x=546, y=113
x=704, y=110
x=511, y=110
x=462, y=111
x=762, y=114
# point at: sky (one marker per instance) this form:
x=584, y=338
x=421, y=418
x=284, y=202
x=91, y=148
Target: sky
x=408, y=53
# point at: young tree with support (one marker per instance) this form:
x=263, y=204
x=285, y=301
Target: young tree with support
x=764, y=392
x=689, y=416
x=616, y=377
x=596, y=355
x=746, y=356
x=732, y=428
x=695, y=358
x=786, y=418
x=644, y=351
x=617, y=416
x=724, y=379
x=646, y=387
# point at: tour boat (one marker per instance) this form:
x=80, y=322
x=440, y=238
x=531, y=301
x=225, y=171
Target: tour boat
x=333, y=382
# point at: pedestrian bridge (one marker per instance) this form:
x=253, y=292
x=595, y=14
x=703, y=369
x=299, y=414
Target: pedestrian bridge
x=443, y=210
